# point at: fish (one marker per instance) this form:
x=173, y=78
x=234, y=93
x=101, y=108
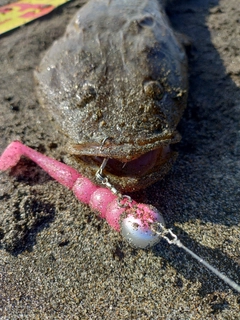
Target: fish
x=116, y=84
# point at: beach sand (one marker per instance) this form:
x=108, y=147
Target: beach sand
x=58, y=260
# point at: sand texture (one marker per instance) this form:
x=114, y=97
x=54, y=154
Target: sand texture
x=57, y=259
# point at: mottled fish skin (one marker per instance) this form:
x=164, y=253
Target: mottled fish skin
x=118, y=76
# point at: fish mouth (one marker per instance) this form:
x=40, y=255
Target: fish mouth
x=131, y=175
x=118, y=149
x=137, y=167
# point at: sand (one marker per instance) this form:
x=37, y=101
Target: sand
x=58, y=260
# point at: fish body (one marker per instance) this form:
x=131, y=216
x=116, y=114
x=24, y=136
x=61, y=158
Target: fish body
x=116, y=85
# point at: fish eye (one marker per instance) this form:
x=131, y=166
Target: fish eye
x=88, y=92
x=146, y=21
x=85, y=94
x=153, y=89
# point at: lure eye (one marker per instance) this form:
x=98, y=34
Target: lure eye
x=153, y=89
x=138, y=232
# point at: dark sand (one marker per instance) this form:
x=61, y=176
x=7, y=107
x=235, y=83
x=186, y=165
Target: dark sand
x=58, y=260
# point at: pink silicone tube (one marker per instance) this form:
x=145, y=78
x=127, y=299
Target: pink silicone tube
x=118, y=213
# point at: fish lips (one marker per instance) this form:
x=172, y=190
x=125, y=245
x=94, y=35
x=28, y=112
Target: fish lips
x=130, y=172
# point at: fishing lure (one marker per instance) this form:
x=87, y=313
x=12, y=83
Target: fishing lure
x=141, y=225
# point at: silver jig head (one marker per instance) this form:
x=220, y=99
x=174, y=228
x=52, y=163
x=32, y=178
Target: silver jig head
x=141, y=234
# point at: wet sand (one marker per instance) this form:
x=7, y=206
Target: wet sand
x=58, y=260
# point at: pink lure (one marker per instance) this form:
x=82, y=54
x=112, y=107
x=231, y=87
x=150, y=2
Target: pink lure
x=122, y=214
x=134, y=220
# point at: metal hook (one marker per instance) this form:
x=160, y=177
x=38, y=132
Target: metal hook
x=103, y=142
